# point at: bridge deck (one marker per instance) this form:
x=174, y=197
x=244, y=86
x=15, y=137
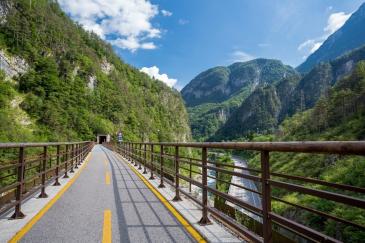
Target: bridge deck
x=107, y=183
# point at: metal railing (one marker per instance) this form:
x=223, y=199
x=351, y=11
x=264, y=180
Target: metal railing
x=153, y=156
x=26, y=168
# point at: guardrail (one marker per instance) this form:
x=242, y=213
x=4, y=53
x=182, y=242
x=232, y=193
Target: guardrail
x=26, y=168
x=153, y=156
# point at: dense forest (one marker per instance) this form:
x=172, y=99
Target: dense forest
x=63, y=83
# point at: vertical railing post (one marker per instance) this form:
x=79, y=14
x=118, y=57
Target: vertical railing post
x=66, y=162
x=79, y=153
x=216, y=176
x=161, y=168
x=266, y=196
x=44, y=167
x=76, y=155
x=18, y=214
x=190, y=173
x=140, y=157
x=145, y=159
x=130, y=153
x=204, y=220
x=72, y=156
x=177, y=192
x=57, y=183
x=152, y=157
x=135, y=154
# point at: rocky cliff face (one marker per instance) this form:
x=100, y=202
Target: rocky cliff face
x=267, y=107
x=216, y=93
x=222, y=83
x=12, y=65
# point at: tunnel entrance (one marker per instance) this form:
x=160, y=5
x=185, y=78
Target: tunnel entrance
x=102, y=138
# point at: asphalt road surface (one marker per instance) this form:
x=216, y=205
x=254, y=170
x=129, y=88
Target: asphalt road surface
x=245, y=195
x=107, y=198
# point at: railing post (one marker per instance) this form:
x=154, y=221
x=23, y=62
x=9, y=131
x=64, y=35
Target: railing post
x=66, y=162
x=145, y=159
x=18, y=214
x=216, y=176
x=43, y=188
x=135, y=154
x=72, y=156
x=161, y=168
x=204, y=220
x=140, y=157
x=266, y=196
x=57, y=183
x=190, y=173
x=152, y=157
x=177, y=192
x=129, y=152
x=76, y=155
x=79, y=153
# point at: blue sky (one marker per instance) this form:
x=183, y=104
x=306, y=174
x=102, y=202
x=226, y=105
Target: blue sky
x=183, y=38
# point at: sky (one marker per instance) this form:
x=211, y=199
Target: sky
x=175, y=40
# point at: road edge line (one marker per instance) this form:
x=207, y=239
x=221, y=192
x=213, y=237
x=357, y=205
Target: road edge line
x=184, y=222
x=20, y=234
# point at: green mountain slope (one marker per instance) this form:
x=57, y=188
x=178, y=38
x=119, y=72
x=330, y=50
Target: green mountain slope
x=339, y=116
x=267, y=107
x=69, y=84
x=215, y=94
x=350, y=36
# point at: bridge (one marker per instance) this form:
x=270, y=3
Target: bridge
x=162, y=192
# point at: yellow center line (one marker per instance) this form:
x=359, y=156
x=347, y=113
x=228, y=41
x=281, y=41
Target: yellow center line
x=107, y=227
x=107, y=178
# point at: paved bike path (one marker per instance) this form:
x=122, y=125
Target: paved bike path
x=137, y=215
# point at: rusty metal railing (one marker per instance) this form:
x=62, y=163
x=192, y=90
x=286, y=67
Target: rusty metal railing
x=153, y=156
x=26, y=168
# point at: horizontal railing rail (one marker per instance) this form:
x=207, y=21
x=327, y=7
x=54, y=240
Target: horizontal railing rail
x=186, y=171
x=26, y=168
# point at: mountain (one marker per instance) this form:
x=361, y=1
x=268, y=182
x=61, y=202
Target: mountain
x=221, y=83
x=350, y=36
x=60, y=82
x=267, y=107
x=215, y=94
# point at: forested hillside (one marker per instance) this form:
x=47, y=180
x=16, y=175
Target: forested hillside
x=215, y=94
x=339, y=116
x=60, y=82
x=269, y=105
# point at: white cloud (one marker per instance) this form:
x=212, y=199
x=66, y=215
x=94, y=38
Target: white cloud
x=125, y=23
x=334, y=22
x=154, y=72
x=240, y=56
x=183, y=21
x=166, y=13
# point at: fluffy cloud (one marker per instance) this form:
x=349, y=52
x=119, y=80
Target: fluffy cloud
x=166, y=13
x=154, y=72
x=125, y=23
x=334, y=22
x=240, y=56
